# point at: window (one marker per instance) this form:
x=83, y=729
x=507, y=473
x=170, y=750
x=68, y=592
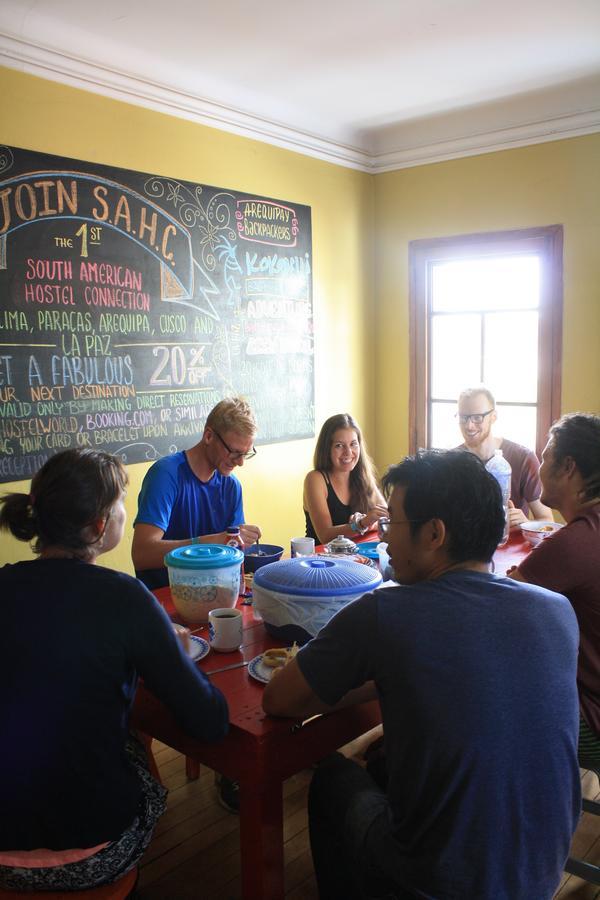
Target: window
x=486, y=308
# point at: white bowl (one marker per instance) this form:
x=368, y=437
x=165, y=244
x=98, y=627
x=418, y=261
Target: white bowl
x=535, y=532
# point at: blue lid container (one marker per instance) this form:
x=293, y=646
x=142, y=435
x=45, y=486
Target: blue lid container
x=297, y=597
x=203, y=556
x=317, y=577
x=203, y=577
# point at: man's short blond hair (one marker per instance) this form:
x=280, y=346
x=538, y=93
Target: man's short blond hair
x=232, y=414
x=470, y=392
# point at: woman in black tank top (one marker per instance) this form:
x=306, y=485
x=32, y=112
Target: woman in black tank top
x=342, y=483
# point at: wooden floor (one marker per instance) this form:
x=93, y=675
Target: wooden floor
x=194, y=853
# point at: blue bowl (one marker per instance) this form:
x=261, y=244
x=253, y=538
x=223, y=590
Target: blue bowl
x=269, y=553
x=368, y=549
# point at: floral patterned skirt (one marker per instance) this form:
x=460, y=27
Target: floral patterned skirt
x=114, y=860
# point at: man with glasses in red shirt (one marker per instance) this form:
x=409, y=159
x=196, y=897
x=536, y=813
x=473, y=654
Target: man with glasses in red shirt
x=476, y=416
x=192, y=496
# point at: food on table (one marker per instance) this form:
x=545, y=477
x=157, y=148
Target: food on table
x=279, y=656
x=547, y=528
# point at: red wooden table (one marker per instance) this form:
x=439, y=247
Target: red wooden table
x=513, y=553
x=261, y=752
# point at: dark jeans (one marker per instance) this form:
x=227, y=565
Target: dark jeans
x=354, y=852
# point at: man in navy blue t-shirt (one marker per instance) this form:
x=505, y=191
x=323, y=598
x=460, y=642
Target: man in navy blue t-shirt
x=192, y=495
x=476, y=676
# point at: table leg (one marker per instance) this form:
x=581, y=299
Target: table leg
x=261, y=839
x=192, y=768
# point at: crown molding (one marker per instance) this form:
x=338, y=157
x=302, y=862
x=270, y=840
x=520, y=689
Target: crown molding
x=35, y=59
x=550, y=129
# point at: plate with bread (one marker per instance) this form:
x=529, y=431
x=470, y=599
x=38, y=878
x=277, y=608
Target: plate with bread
x=262, y=667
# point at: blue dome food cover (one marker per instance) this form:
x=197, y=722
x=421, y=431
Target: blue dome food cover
x=317, y=577
x=204, y=556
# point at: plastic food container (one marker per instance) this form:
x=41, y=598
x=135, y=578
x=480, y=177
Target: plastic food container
x=203, y=577
x=297, y=597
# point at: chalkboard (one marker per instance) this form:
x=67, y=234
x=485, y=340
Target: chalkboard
x=131, y=303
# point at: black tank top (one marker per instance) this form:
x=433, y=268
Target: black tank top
x=339, y=512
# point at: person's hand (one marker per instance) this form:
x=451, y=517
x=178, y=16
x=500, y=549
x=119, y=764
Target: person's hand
x=372, y=517
x=250, y=534
x=183, y=635
x=515, y=515
x=511, y=569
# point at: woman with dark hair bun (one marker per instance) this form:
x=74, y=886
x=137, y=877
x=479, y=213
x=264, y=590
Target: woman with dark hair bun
x=341, y=495
x=78, y=802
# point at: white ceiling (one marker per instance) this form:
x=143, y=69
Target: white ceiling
x=372, y=84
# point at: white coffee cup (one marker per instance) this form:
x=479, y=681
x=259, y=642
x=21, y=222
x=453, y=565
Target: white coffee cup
x=302, y=546
x=225, y=629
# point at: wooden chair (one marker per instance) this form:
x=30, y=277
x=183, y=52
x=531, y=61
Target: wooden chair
x=118, y=890
x=586, y=870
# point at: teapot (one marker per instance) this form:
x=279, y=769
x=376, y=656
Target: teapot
x=341, y=546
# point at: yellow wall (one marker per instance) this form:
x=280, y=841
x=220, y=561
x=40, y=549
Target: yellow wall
x=361, y=309
x=545, y=184
x=44, y=116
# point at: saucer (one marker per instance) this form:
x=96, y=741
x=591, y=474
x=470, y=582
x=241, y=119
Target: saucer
x=258, y=670
x=199, y=648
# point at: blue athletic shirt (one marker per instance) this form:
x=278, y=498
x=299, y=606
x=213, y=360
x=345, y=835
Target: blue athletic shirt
x=173, y=499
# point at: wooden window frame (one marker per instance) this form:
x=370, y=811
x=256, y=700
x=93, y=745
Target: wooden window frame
x=547, y=243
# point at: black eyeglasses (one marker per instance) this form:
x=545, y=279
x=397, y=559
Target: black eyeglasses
x=476, y=418
x=383, y=525
x=236, y=454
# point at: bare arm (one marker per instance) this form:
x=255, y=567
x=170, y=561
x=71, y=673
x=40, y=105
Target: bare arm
x=289, y=694
x=516, y=516
x=539, y=511
x=376, y=512
x=148, y=550
x=315, y=503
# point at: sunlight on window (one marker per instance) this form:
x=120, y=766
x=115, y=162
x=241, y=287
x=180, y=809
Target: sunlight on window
x=499, y=282
x=486, y=308
x=456, y=354
x=445, y=432
x=517, y=423
x=484, y=321
x=511, y=354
